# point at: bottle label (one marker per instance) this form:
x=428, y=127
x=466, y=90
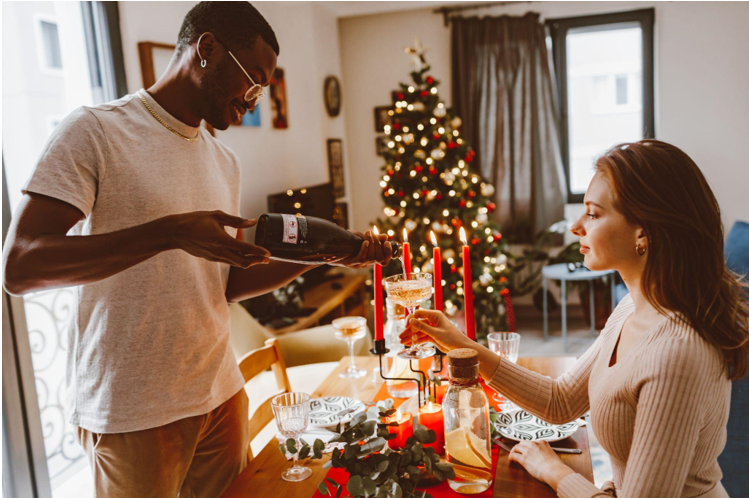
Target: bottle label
x=290, y=229
x=294, y=229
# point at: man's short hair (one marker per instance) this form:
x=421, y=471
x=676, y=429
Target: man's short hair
x=237, y=24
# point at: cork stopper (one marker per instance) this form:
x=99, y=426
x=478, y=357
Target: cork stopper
x=463, y=363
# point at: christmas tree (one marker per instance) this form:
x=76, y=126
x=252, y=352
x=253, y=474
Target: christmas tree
x=430, y=184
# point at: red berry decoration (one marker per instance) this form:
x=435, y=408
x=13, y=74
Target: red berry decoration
x=462, y=203
x=418, y=168
x=439, y=197
x=456, y=222
x=475, y=241
x=432, y=170
x=505, y=291
x=391, y=172
x=425, y=192
x=401, y=193
x=452, y=145
x=430, y=80
x=424, y=93
x=471, y=194
x=502, y=280
x=401, y=96
x=436, y=136
x=396, y=126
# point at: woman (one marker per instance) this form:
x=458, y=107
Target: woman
x=657, y=380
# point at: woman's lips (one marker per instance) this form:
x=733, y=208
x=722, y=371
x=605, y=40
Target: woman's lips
x=584, y=249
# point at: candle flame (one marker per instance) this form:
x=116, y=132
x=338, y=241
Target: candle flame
x=374, y=229
x=398, y=415
x=463, y=238
x=434, y=239
x=405, y=235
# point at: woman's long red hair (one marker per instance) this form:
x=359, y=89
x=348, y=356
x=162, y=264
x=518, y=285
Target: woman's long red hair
x=659, y=188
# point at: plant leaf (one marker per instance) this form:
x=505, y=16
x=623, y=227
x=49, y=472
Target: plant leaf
x=369, y=486
x=355, y=485
x=322, y=488
x=282, y=447
x=291, y=445
x=304, y=452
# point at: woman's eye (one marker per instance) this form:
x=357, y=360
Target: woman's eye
x=592, y=216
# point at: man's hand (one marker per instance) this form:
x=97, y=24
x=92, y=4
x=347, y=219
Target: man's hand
x=202, y=234
x=373, y=250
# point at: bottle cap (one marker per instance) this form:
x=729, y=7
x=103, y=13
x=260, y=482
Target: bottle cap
x=463, y=363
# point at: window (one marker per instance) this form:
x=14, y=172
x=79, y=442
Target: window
x=50, y=49
x=604, y=66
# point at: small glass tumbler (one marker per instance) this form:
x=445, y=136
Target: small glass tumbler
x=351, y=329
x=291, y=411
x=506, y=345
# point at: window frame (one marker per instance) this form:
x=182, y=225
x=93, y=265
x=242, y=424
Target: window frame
x=558, y=29
x=44, y=68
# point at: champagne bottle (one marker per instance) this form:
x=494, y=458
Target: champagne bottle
x=307, y=240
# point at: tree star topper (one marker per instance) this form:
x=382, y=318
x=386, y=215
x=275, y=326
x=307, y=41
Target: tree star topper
x=417, y=53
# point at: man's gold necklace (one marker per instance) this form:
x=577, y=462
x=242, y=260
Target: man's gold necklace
x=166, y=125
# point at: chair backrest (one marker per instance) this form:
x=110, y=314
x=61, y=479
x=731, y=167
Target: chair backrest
x=253, y=364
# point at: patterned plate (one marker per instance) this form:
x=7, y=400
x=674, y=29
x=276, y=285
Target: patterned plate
x=519, y=425
x=324, y=411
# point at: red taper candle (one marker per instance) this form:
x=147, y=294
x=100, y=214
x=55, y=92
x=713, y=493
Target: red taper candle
x=406, y=253
x=468, y=287
x=378, y=323
x=437, y=263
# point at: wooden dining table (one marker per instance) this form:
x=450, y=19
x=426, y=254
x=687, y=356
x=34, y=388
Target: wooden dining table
x=262, y=476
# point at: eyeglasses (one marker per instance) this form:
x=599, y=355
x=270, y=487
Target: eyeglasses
x=255, y=93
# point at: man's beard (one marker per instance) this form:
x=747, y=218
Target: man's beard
x=213, y=89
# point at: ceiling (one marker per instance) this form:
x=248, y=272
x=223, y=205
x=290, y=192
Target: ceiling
x=353, y=9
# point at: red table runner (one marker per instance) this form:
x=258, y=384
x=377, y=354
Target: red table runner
x=442, y=489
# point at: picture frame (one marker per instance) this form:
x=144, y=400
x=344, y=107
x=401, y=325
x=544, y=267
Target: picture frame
x=278, y=102
x=154, y=59
x=340, y=216
x=335, y=167
x=382, y=117
x=381, y=145
x=332, y=93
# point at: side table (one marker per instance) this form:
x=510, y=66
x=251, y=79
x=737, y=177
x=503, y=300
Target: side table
x=561, y=272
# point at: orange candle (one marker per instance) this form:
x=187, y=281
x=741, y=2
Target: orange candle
x=437, y=263
x=430, y=416
x=441, y=390
x=378, y=323
x=403, y=430
x=468, y=288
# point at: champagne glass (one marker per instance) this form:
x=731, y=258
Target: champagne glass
x=351, y=329
x=409, y=290
x=507, y=346
x=291, y=411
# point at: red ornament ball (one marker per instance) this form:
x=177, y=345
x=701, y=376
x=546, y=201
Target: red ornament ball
x=430, y=80
x=401, y=96
x=462, y=203
x=436, y=136
x=418, y=168
x=425, y=192
x=456, y=222
x=424, y=93
x=498, y=237
x=432, y=170
x=396, y=126
x=491, y=207
x=452, y=145
x=475, y=241
x=505, y=291
x=438, y=197
x=401, y=193
x=471, y=194
x=391, y=172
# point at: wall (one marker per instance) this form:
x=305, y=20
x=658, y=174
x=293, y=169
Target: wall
x=701, y=80
x=272, y=160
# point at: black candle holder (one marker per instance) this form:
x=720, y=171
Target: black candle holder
x=423, y=382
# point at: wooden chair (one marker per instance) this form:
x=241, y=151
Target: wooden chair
x=253, y=364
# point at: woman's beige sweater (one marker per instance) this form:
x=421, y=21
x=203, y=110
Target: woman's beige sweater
x=660, y=412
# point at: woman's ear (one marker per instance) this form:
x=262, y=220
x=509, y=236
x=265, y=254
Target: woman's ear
x=642, y=239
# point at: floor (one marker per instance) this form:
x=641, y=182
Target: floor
x=532, y=343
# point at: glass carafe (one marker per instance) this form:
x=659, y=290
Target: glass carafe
x=467, y=430
x=397, y=366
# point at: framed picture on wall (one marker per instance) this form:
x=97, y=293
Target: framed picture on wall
x=335, y=165
x=154, y=59
x=340, y=215
x=381, y=145
x=381, y=117
x=332, y=96
x=278, y=103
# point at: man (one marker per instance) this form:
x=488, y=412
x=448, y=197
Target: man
x=154, y=255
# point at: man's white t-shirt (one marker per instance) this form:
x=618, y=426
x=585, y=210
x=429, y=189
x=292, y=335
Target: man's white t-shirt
x=149, y=345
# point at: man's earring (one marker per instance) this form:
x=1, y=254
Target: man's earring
x=203, y=63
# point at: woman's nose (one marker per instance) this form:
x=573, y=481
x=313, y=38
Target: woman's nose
x=577, y=228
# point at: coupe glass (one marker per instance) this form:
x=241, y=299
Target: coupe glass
x=351, y=329
x=409, y=290
x=291, y=411
x=506, y=345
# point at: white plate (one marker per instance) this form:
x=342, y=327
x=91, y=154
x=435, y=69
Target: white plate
x=324, y=411
x=520, y=425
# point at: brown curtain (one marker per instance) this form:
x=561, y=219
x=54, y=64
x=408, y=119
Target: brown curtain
x=505, y=92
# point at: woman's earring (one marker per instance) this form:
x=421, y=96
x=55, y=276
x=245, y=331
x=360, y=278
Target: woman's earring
x=640, y=250
x=203, y=63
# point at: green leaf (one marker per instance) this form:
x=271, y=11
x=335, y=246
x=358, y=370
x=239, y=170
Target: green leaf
x=383, y=466
x=304, y=452
x=417, y=451
x=331, y=481
x=421, y=435
x=359, y=418
x=282, y=447
x=369, y=486
x=338, y=493
x=355, y=485
x=322, y=488
x=291, y=445
x=431, y=437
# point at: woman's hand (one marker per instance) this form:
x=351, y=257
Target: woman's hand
x=540, y=461
x=434, y=326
